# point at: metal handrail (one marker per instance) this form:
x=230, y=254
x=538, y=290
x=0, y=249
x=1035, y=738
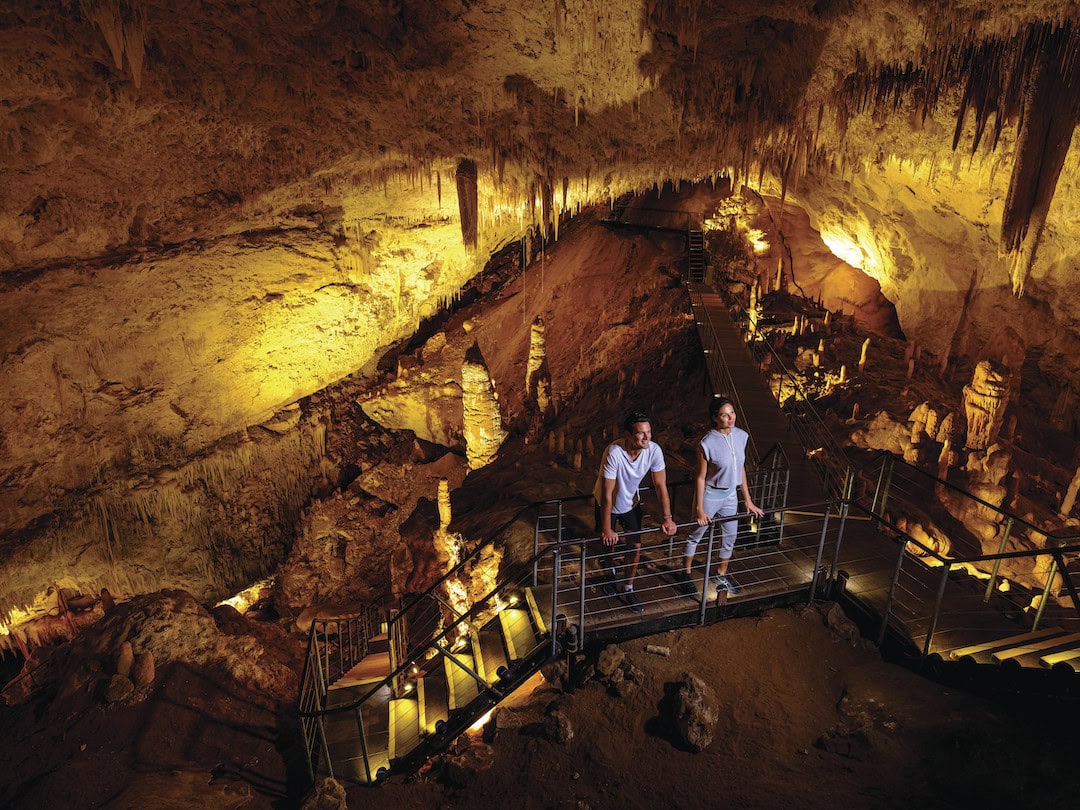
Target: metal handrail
x=890, y=458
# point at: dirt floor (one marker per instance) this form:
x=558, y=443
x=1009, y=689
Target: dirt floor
x=806, y=715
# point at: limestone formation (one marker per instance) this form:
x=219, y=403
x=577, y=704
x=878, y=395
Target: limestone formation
x=984, y=404
x=124, y=659
x=537, y=376
x=1069, y=500
x=695, y=712
x=862, y=355
x=483, y=430
x=142, y=671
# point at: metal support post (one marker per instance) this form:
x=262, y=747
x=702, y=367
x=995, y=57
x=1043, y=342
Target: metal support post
x=892, y=594
x=997, y=562
x=581, y=599
x=555, y=598
x=820, y=552
x=1045, y=595
x=937, y=608
x=708, y=570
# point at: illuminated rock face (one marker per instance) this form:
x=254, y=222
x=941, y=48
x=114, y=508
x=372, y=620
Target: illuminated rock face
x=209, y=214
x=984, y=404
x=484, y=433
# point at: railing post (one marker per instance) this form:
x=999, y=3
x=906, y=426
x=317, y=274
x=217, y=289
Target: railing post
x=363, y=742
x=326, y=748
x=1045, y=594
x=892, y=593
x=708, y=571
x=877, y=487
x=555, y=594
x=820, y=552
x=845, y=506
x=937, y=608
x=536, y=547
x=888, y=483
x=997, y=562
x=581, y=598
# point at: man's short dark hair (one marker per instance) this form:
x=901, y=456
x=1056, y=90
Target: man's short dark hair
x=717, y=404
x=633, y=419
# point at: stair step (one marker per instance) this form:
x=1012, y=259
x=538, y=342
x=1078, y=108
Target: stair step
x=1003, y=643
x=405, y=727
x=518, y=631
x=1068, y=657
x=1035, y=646
x=534, y=611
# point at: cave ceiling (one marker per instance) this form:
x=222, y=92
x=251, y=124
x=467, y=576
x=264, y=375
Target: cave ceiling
x=210, y=210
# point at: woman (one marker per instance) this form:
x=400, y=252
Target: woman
x=721, y=470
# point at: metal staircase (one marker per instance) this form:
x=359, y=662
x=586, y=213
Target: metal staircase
x=381, y=692
x=696, y=250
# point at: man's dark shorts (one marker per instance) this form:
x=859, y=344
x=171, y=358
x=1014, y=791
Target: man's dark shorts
x=627, y=521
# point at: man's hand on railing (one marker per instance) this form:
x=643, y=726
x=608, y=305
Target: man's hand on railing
x=668, y=526
x=609, y=536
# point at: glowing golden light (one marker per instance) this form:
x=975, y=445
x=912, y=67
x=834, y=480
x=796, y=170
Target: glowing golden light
x=859, y=249
x=481, y=721
x=249, y=596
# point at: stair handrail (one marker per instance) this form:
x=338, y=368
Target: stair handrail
x=826, y=452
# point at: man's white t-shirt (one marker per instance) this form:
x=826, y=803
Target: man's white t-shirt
x=627, y=474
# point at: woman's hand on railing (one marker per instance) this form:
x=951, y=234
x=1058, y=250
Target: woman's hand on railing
x=702, y=518
x=753, y=509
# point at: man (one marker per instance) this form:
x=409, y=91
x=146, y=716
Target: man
x=624, y=466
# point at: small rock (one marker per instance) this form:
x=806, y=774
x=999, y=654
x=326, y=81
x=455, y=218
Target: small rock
x=328, y=794
x=610, y=659
x=119, y=688
x=558, y=728
x=556, y=672
x=501, y=720
x=656, y=649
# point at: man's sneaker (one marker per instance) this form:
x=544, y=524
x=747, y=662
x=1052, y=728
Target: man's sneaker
x=608, y=586
x=726, y=583
x=632, y=601
x=684, y=584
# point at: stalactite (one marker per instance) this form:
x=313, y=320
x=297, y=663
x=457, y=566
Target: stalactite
x=467, y=202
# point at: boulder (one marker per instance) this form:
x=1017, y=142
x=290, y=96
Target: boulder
x=696, y=712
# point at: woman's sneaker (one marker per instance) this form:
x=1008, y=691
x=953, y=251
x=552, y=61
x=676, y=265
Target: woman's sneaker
x=684, y=584
x=726, y=583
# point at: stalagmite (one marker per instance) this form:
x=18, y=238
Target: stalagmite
x=855, y=411
x=862, y=355
x=1069, y=500
x=843, y=374
x=821, y=346
x=537, y=378
x=445, y=515
x=483, y=430
x=984, y=404
x=910, y=368
x=946, y=459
